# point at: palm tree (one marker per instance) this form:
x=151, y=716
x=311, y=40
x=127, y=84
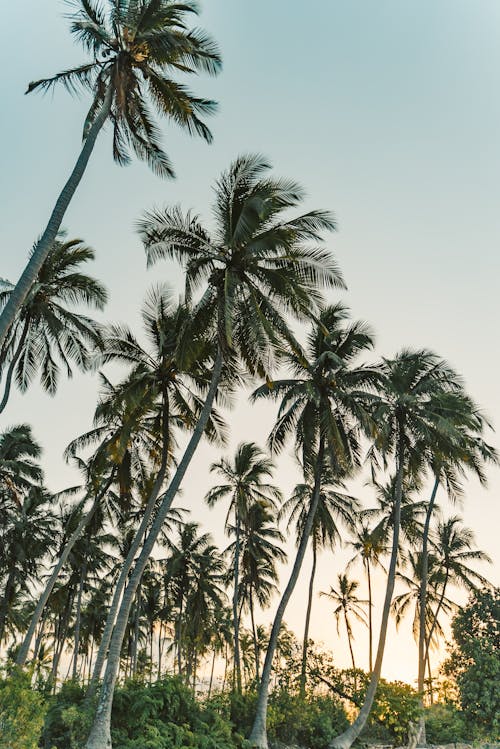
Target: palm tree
x=332, y=507
x=322, y=407
x=19, y=470
x=258, y=267
x=259, y=555
x=346, y=603
x=134, y=47
x=45, y=328
x=408, y=415
x=244, y=485
x=454, y=550
x=369, y=546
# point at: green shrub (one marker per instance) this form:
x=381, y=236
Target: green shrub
x=68, y=719
x=22, y=712
x=445, y=724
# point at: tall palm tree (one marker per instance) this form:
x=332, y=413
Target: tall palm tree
x=134, y=46
x=369, y=545
x=322, y=408
x=260, y=553
x=19, y=469
x=46, y=328
x=346, y=604
x=333, y=506
x=245, y=483
x=408, y=415
x=258, y=266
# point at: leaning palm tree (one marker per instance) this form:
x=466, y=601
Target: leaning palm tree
x=333, y=507
x=346, y=604
x=257, y=267
x=408, y=415
x=135, y=47
x=323, y=406
x=47, y=329
x=245, y=483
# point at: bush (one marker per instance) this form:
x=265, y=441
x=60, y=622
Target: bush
x=445, y=724
x=68, y=720
x=22, y=712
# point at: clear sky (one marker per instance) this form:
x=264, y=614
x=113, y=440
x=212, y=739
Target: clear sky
x=387, y=112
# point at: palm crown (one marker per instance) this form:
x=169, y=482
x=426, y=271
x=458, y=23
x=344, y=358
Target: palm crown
x=136, y=46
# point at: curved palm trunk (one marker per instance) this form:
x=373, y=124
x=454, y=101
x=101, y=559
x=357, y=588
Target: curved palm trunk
x=423, y=607
x=100, y=735
x=24, y=649
x=303, y=669
x=370, y=620
x=10, y=371
x=134, y=548
x=347, y=738
x=258, y=736
x=42, y=248
x=236, y=618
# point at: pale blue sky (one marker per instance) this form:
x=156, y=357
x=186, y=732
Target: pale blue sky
x=387, y=112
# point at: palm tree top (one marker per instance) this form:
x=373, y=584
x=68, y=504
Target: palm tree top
x=135, y=49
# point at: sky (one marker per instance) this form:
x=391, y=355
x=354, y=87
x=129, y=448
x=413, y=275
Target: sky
x=388, y=113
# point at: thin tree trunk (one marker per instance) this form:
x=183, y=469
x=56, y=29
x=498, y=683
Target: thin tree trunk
x=4, y=605
x=44, y=244
x=429, y=674
x=258, y=736
x=237, y=663
x=349, y=640
x=423, y=607
x=135, y=635
x=134, y=548
x=24, y=649
x=347, y=738
x=303, y=670
x=211, y=674
x=100, y=735
x=78, y=618
x=436, y=614
x=254, y=635
x=370, y=618
x=10, y=371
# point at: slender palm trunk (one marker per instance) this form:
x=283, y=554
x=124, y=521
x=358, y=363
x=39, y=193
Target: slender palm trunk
x=429, y=676
x=134, y=548
x=370, y=617
x=24, y=649
x=10, y=371
x=349, y=640
x=78, y=620
x=42, y=248
x=347, y=738
x=237, y=660
x=135, y=636
x=436, y=613
x=303, y=670
x=212, y=673
x=423, y=607
x=100, y=736
x=254, y=635
x=258, y=736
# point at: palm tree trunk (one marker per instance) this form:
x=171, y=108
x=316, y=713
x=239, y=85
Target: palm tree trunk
x=78, y=619
x=370, y=618
x=135, y=636
x=134, y=548
x=237, y=663
x=10, y=371
x=303, y=669
x=423, y=607
x=212, y=673
x=258, y=736
x=436, y=613
x=347, y=738
x=100, y=735
x=4, y=605
x=44, y=244
x=24, y=649
x=349, y=640
x=254, y=634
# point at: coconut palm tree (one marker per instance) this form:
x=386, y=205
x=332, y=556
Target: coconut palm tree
x=322, y=408
x=134, y=49
x=346, y=604
x=19, y=470
x=46, y=328
x=454, y=549
x=370, y=547
x=333, y=506
x=260, y=552
x=245, y=483
x=408, y=415
x=257, y=267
